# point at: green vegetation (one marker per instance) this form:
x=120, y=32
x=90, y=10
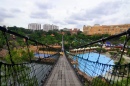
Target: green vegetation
x=19, y=56
x=101, y=50
x=112, y=53
x=2, y=40
x=124, y=82
x=70, y=40
x=18, y=74
x=99, y=82
x=39, y=35
x=102, y=82
x=128, y=52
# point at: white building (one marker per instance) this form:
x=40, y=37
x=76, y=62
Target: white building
x=47, y=27
x=34, y=26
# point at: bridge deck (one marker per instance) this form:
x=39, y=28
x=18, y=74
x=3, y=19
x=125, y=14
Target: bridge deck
x=63, y=75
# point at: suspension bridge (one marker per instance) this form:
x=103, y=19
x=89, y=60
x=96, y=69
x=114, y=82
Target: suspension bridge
x=24, y=66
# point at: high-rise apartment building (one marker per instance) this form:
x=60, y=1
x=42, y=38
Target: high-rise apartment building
x=47, y=27
x=34, y=26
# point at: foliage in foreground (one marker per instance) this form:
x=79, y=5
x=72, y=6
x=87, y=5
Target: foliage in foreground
x=102, y=82
x=19, y=56
x=18, y=73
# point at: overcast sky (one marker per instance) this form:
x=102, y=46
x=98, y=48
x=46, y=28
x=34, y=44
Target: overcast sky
x=64, y=13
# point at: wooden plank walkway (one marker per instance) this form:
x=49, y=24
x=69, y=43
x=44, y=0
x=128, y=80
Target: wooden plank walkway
x=63, y=75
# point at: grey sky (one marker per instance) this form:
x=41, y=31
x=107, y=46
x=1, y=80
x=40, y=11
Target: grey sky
x=64, y=13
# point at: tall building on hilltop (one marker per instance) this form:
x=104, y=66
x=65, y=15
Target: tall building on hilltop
x=34, y=26
x=105, y=29
x=47, y=27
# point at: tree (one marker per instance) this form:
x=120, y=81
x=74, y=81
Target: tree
x=128, y=52
x=2, y=40
x=18, y=74
x=19, y=56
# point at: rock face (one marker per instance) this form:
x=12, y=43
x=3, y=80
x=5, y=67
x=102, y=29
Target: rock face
x=3, y=52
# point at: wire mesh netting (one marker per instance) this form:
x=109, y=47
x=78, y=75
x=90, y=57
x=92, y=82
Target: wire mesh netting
x=24, y=61
x=105, y=62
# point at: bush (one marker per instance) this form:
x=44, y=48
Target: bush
x=99, y=81
x=101, y=50
x=112, y=53
x=19, y=56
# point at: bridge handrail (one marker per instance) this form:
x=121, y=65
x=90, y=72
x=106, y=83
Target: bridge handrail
x=3, y=29
x=92, y=72
x=12, y=73
x=104, y=39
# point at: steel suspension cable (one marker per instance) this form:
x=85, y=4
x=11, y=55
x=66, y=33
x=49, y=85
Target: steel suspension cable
x=9, y=51
x=127, y=39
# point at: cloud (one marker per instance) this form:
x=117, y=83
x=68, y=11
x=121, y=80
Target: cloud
x=103, y=9
x=70, y=21
x=58, y=22
x=42, y=11
x=64, y=13
x=2, y=9
x=44, y=6
x=16, y=10
x=107, y=8
x=5, y=14
x=104, y=13
x=40, y=15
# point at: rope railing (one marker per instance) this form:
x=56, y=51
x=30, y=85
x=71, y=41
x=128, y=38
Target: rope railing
x=102, y=64
x=24, y=61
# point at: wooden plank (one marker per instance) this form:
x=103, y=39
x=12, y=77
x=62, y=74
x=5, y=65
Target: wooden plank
x=63, y=75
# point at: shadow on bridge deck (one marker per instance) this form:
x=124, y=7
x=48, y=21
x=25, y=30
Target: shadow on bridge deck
x=63, y=75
